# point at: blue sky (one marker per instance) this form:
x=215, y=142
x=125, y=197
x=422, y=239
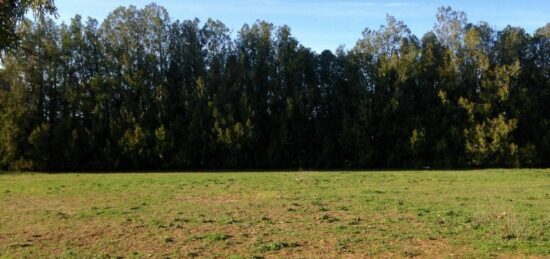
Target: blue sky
x=323, y=24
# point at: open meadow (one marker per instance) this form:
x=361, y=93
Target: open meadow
x=443, y=214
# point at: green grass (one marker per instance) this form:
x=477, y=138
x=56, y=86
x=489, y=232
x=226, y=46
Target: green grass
x=444, y=214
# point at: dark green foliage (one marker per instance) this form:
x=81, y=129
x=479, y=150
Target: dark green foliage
x=12, y=12
x=139, y=91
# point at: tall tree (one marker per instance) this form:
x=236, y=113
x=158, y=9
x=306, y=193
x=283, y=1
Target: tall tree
x=138, y=91
x=12, y=13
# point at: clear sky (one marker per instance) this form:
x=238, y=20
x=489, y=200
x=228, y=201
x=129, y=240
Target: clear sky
x=324, y=24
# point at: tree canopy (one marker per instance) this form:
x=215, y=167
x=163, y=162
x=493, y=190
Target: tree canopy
x=12, y=12
x=140, y=91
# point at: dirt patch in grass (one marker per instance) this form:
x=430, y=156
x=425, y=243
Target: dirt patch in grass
x=209, y=199
x=421, y=248
x=432, y=248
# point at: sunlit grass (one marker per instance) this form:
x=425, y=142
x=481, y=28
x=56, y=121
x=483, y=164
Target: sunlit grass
x=302, y=214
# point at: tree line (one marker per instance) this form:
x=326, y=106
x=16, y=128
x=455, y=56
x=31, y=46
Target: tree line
x=139, y=91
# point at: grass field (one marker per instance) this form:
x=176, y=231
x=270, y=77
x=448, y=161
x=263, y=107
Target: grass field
x=443, y=214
